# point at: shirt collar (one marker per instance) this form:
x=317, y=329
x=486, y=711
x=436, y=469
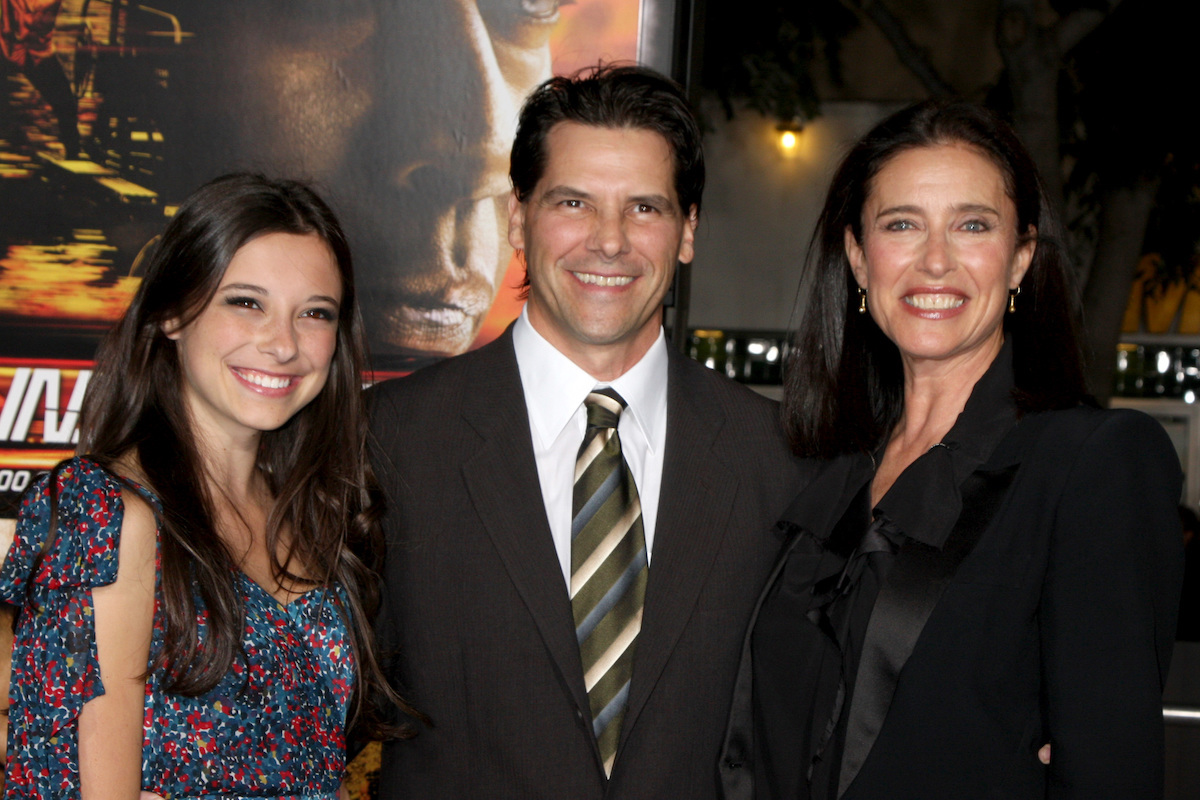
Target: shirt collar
x=555, y=386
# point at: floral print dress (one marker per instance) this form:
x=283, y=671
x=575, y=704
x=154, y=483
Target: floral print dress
x=273, y=727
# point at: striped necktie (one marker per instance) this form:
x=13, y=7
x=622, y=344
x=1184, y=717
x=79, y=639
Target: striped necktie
x=608, y=568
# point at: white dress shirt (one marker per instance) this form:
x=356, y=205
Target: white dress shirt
x=555, y=388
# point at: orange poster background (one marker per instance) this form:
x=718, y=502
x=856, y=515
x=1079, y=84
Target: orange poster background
x=73, y=232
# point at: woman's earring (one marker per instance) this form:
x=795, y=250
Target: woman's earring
x=862, y=300
x=1012, y=299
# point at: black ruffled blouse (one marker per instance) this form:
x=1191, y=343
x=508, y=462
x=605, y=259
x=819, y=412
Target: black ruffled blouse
x=805, y=685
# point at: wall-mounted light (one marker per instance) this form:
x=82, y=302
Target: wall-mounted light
x=789, y=135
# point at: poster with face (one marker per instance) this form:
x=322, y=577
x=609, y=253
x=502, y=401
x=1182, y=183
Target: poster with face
x=400, y=113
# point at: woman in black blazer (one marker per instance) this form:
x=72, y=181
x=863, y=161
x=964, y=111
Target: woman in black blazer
x=984, y=563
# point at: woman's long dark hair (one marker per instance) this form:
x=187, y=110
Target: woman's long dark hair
x=315, y=465
x=844, y=387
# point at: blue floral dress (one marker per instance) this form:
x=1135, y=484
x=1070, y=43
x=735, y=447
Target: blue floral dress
x=273, y=727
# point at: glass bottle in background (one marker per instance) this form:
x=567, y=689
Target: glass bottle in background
x=708, y=347
x=1191, y=374
x=1129, y=376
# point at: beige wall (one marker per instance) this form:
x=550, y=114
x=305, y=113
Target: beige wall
x=760, y=206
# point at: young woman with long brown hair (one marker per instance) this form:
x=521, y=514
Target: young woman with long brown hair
x=195, y=586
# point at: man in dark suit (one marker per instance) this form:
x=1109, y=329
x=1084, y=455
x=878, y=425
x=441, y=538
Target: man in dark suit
x=579, y=517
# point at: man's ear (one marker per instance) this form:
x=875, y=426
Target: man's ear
x=516, y=222
x=687, y=242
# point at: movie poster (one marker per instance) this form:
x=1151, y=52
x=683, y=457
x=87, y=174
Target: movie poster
x=402, y=113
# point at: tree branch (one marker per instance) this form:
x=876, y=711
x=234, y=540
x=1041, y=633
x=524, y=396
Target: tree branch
x=911, y=56
x=1072, y=28
x=1124, y=214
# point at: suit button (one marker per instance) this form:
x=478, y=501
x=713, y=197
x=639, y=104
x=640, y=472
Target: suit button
x=579, y=715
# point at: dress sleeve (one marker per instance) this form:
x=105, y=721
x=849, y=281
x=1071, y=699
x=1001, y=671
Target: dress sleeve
x=1108, y=611
x=50, y=574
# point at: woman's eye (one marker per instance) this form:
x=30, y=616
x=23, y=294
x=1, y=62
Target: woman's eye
x=326, y=314
x=900, y=225
x=241, y=302
x=975, y=226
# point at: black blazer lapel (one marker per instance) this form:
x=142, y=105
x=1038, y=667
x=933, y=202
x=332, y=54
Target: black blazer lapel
x=694, y=505
x=502, y=481
x=914, y=585
x=805, y=529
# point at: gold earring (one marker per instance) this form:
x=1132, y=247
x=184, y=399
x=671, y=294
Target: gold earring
x=862, y=300
x=1012, y=299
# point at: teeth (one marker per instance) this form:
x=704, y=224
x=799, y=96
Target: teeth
x=932, y=302
x=604, y=280
x=265, y=381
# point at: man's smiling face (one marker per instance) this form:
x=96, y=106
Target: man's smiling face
x=602, y=233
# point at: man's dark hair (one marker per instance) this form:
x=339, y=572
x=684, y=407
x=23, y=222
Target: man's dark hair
x=610, y=97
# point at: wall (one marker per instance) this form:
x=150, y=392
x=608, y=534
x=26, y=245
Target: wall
x=760, y=206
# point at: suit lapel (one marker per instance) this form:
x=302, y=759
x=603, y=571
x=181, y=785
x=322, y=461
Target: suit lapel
x=502, y=481
x=694, y=504
x=915, y=583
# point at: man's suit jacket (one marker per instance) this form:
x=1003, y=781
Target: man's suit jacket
x=1047, y=616
x=477, y=611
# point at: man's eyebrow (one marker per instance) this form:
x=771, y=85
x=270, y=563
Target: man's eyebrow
x=563, y=192
x=659, y=201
